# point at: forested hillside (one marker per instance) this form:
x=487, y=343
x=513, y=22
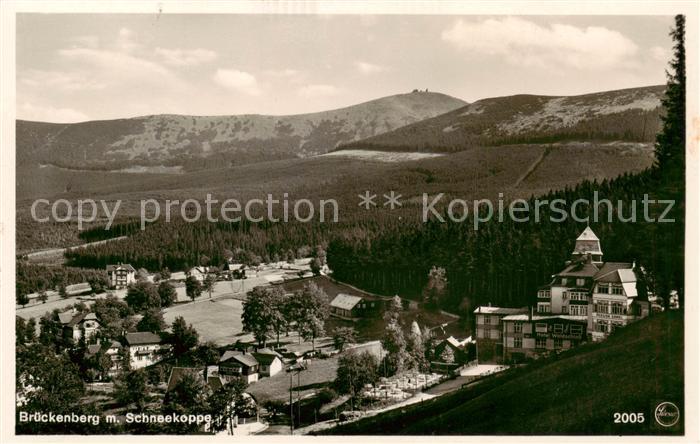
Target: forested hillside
x=628, y=114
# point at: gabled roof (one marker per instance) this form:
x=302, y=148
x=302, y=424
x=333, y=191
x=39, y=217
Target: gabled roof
x=66, y=317
x=245, y=359
x=579, y=269
x=345, y=301
x=177, y=373
x=264, y=358
x=609, y=272
x=127, y=267
x=77, y=319
x=499, y=310
x=142, y=337
x=93, y=349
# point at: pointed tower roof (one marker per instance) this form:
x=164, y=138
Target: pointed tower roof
x=587, y=234
x=588, y=244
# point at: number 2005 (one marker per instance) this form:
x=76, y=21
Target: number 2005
x=628, y=418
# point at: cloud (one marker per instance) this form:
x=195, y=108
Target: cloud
x=367, y=68
x=319, y=90
x=286, y=72
x=238, y=81
x=660, y=53
x=60, y=80
x=525, y=43
x=185, y=57
x=126, y=40
x=41, y=113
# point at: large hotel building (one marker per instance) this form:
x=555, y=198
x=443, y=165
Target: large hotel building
x=587, y=300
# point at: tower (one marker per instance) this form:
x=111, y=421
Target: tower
x=587, y=244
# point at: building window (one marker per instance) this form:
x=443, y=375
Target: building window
x=580, y=282
x=558, y=343
x=603, y=289
x=617, y=308
x=575, y=330
x=542, y=308
x=616, y=290
x=559, y=328
x=564, y=281
x=518, y=343
x=541, y=327
x=602, y=307
x=518, y=327
x=601, y=327
x=541, y=343
x=487, y=320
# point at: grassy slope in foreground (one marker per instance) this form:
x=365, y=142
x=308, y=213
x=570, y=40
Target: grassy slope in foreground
x=574, y=393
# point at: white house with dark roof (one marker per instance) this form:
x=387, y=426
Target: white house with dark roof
x=270, y=361
x=145, y=348
x=234, y=364
x=120, y=275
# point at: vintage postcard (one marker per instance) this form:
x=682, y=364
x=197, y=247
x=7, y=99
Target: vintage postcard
x=231, y=220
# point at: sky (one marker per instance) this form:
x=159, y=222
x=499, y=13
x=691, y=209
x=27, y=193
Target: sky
x=77, y=67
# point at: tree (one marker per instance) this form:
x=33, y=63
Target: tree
x=415, y=348
x=354, y=372
x=192, y=287
x=315, y=266
x=183, y=337
x=447, y=355
x=208, y=283
x=259, y=312
x=131, y=387
x=30, y=331
x=98, y=283
x=393, y=309
x=312, y=309
x=188, y=396
x=670, y=141
x=343, y=336
x=223, y=404
x=50, y=329
x=43, y=297
x=165, y=274
x=22, y=298
x=20, y=326
x=152, y=321
x=142, y=296
x=436, y=287
x=394, y=343
x=62, y=291
x=100, y=363
x=166, y=293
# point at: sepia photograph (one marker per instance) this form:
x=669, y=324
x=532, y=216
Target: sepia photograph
x=227, y=219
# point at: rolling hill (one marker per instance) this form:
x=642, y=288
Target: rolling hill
x=630, y=115
x=576, y=393
x=193, y=142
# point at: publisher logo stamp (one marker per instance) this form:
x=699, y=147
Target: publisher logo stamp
x=667, y=414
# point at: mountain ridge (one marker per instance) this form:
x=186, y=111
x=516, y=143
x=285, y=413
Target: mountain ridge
x=171, y=139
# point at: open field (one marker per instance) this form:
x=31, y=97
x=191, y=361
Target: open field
x=216, y=320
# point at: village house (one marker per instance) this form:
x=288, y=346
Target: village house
x=145, y=348
x=270, y=361
x=351, y=307
x=199, y=273
x=238, y=365
x=120, y=275
x=77, y=326
x=113, y=351
x=457, y=356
